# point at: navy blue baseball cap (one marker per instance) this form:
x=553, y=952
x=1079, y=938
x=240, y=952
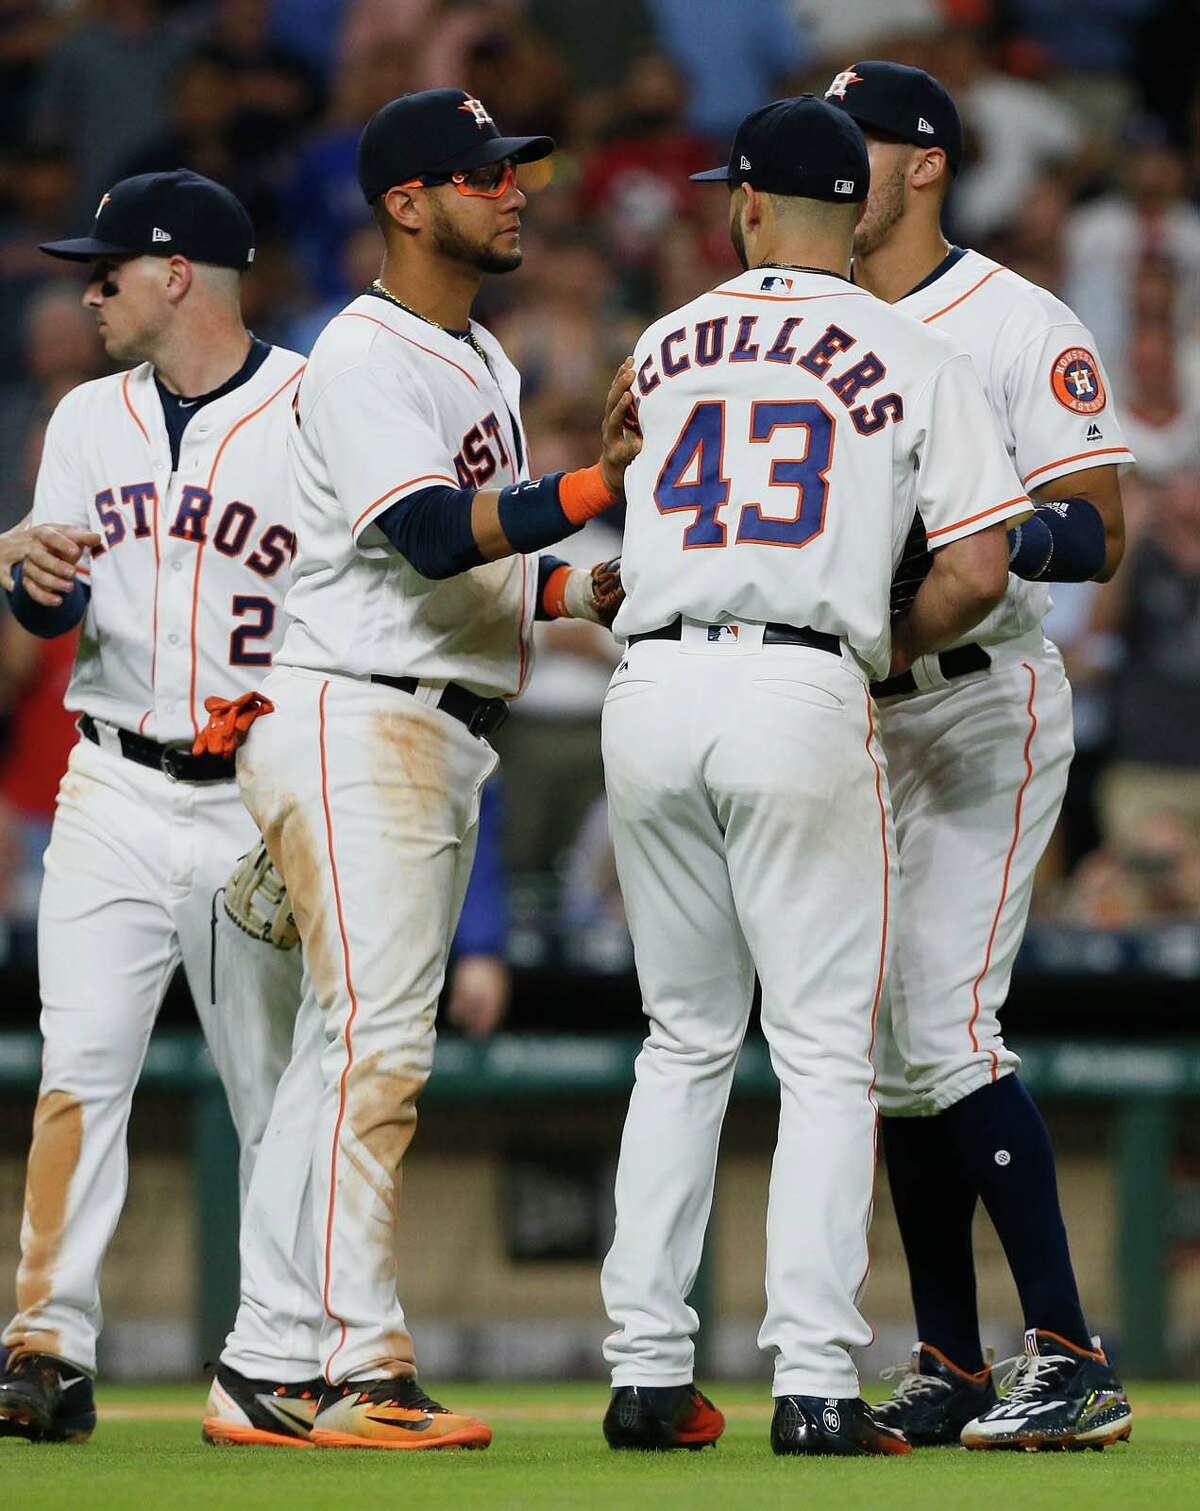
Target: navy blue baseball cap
x=904, y=102
x=176, y=214
x=800, y=146
x=433, y=134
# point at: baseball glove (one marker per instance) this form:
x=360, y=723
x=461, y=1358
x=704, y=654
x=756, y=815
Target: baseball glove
x=608, y=593
x=256, y=899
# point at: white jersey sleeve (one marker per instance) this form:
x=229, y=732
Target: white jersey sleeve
x=397, y=447
x=61, y=495
x=1057, y=398
x=961, y=460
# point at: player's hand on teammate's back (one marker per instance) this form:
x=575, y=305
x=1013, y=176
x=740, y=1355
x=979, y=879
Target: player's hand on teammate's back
x=51, y=558
x=608, y=591
x=621, y=443
x=479, y=993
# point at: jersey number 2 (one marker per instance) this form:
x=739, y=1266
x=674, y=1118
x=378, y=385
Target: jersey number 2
x=693, y=475
x=239, y=652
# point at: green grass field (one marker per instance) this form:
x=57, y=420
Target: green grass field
x=548, y=1454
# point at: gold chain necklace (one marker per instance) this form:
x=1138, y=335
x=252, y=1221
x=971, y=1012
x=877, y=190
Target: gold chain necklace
x=467, y=336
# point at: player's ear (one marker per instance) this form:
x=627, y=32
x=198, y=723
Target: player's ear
x=929, y=168
x=403, y=207
x=178, y=279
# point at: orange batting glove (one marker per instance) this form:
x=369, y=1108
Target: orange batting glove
x=229, y=723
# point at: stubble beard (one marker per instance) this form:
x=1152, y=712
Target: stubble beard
x=453, y=243
x=884, y=213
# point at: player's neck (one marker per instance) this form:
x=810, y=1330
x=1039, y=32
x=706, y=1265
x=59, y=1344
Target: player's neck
x=441, y=293
x=908, y=257
x=195, y=361
x=832, y=256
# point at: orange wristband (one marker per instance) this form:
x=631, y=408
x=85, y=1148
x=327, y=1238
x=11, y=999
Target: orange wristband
x=584, y=494
x=554, y=594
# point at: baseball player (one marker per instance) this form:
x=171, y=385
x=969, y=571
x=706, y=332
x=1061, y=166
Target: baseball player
x=792, y=426
x=978, y=740
x=411, y=611
x=171, y=538
x=14, y=546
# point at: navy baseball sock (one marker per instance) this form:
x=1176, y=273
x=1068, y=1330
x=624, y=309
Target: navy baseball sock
x=935, y=1203
x=1005, y=1151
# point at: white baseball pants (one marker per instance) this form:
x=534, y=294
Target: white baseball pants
x=131, y=873
x=752, y=831
x=978, y=768
x=368, y=799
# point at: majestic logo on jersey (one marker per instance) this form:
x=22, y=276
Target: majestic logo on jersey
x=476, y=110
x=1076, y=383
x=773, y=285
x=1094, y=433
x=843, y=82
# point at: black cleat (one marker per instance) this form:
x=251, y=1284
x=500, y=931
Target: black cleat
x=935, y=1399
x=821, y=1425
x=1060, y=1396
x=659, y=1417
x=45, y=1399
x=266, y=1413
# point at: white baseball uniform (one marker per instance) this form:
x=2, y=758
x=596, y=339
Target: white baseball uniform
x=185, y=599
x=368, y=798
x=978, y=762
x=792, y=424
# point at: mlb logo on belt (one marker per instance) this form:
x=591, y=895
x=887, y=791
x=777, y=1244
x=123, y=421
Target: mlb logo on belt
x=1076, y=383
x=722, y=634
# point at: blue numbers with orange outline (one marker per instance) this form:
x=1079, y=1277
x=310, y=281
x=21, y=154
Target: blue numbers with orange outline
x=700, y=450
x=806, y=474
x=692, y=477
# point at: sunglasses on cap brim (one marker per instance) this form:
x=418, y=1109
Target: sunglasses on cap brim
x=488, y=182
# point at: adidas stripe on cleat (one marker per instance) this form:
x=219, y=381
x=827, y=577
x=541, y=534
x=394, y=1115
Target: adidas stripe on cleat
x=1058, y=1396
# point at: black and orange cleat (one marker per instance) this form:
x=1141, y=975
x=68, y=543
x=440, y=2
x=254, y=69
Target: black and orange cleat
x=45, y=1399
x=653, y=1417
x=393, y=1412
x=822, y=1425
x=259, y=1413
x=935, y=1399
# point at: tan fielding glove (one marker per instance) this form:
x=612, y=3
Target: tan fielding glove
x=256, y=899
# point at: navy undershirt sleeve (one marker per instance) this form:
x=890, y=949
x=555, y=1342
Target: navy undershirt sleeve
x=432, y=531
x=47, y=623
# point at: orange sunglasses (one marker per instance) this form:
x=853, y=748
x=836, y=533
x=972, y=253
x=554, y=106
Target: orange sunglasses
x=489, y=182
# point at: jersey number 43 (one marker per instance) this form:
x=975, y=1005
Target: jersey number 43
x=693, y=475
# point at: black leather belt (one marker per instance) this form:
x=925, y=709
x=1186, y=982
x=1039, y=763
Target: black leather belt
x=482, y=716
x=773, y=634
x=960, y=662
x=179, y=765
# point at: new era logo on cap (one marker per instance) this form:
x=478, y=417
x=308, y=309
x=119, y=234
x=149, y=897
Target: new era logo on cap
x=745, y=163
x=158, y=234
x=923, y=125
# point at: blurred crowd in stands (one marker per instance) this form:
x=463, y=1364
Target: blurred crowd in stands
x=1083, y=129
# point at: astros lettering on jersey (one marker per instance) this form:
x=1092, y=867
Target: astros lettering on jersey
x=824, y=444
x=187, y=587
x=356, y=606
